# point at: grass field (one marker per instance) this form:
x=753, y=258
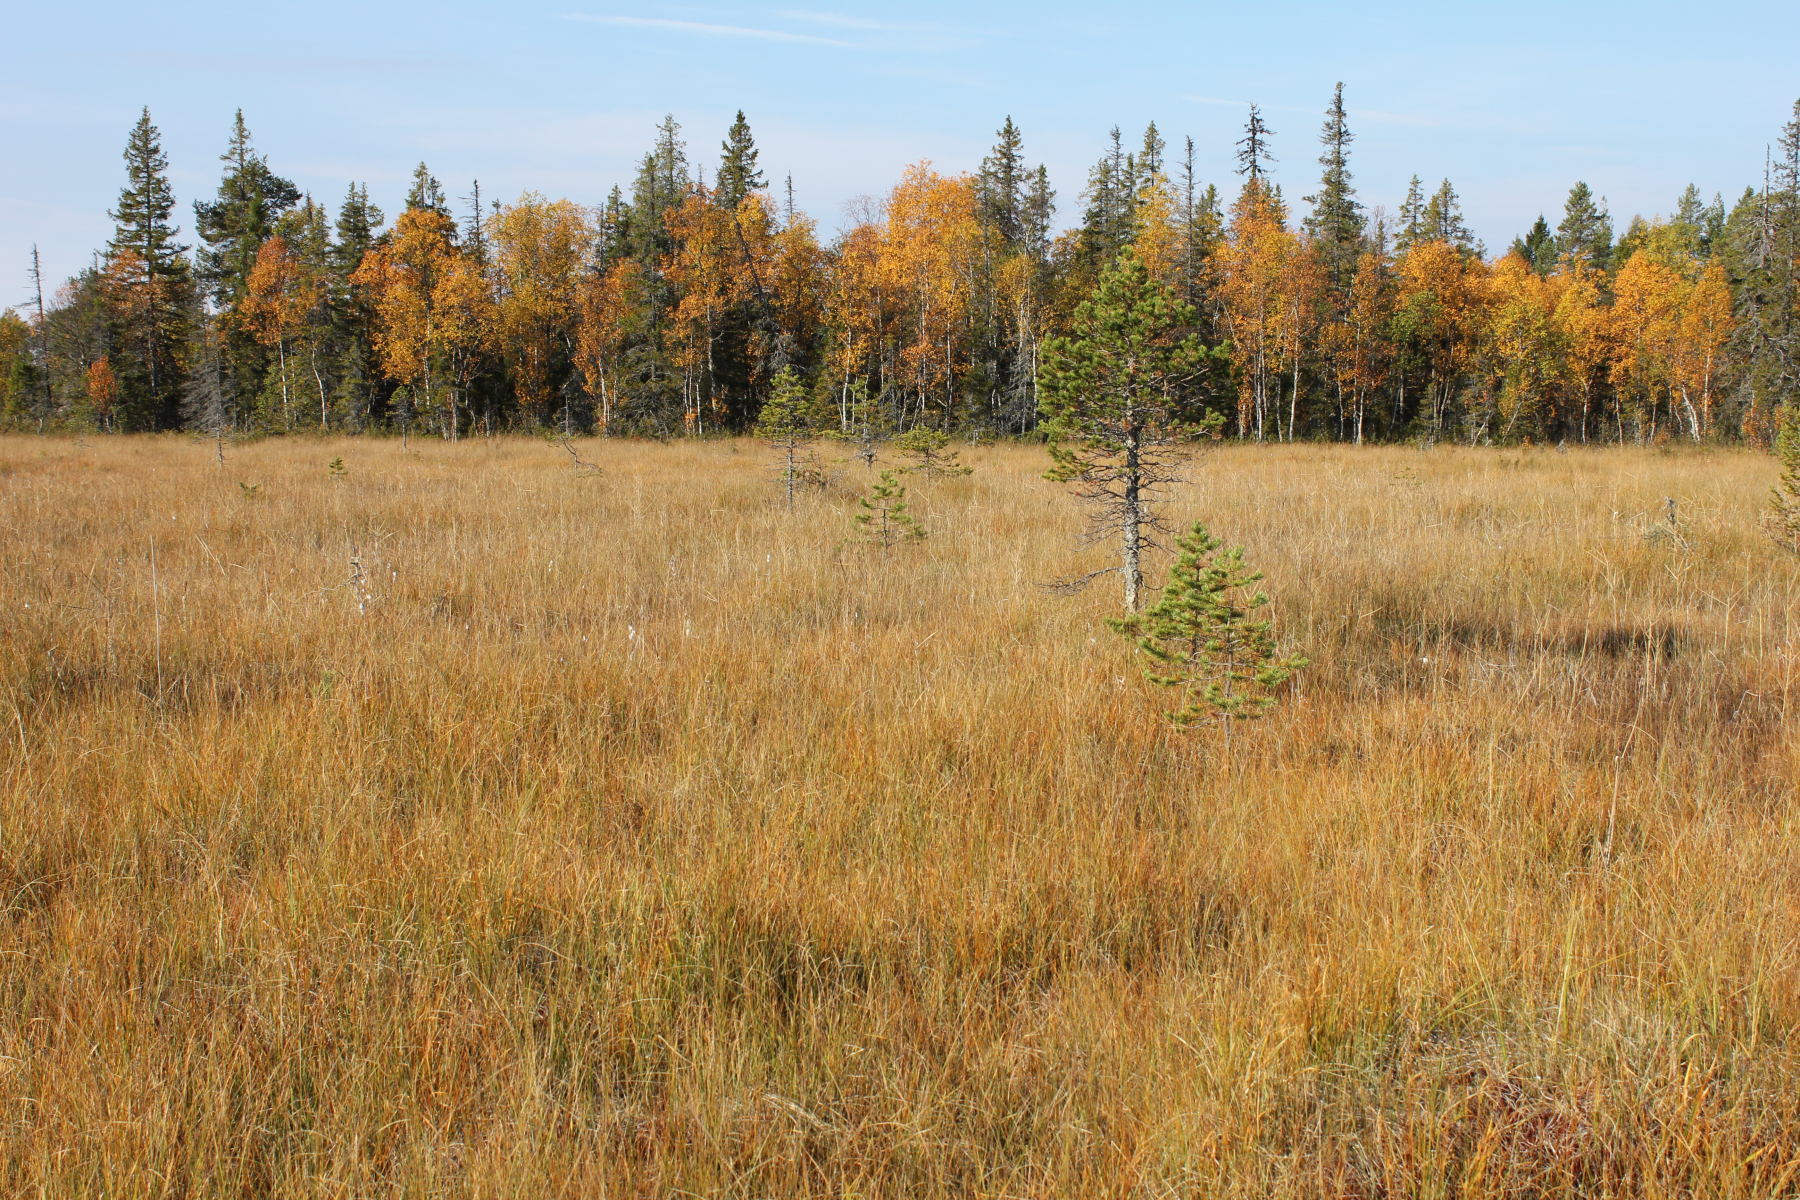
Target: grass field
x=631, y=835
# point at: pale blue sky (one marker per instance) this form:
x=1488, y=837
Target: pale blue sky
x=1512, y=103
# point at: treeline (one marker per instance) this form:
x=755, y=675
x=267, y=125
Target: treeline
x=670, y=309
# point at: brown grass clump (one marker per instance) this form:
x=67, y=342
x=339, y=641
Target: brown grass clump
x=627, y=834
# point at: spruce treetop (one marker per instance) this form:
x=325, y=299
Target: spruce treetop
x=145, y=203
x=738, y=173
x=1253, y=148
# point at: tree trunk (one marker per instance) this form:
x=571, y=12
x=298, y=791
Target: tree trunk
x=287, y=419
x=1134, y=506
x=324, y=409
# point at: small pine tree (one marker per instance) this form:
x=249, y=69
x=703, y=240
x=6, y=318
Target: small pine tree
x=1784, y=498
x=785, y=423
x=885, y=520
x=1204, y=638
x=865, y=426
x=930, y=453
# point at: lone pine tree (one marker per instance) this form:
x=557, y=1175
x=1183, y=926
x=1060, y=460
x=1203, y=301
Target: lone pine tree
x=785, y=423
x=1118, y=411
x=1203, y=636
x=885, y=520
x=929, y=450
x=149, y=271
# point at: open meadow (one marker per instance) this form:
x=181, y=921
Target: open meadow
x=470, y=824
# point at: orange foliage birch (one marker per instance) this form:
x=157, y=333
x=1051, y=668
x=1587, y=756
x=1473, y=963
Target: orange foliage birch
x=279, y=296
x=1250, y=267
x=1355, y=345
x=102, y=392
x=1584, y=324
x=612, y=308
x=1440, y=297
x=541, y=250
x=711, y=271
x=1523, y=345
x=930, y=256
x=431, y=307
x=1646, y=320
x=1706, y=325
x=861, y=309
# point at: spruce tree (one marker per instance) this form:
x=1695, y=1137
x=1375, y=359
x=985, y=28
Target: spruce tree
x=738, y=173
x=1585, y=232
x=1690, y=210
x=1109, y=222
x=359, y=373
x=1204, y=638
x=1118, y=412
x=1442, y=220
x=234, y=225
x=1202, y=229
x=426, y=192
x=1253, y=148
x=663, y=181
x=613, y=240
x=1039, y=216
x=1336, y=222
x=1412, y=217
x=151, y=268
x=1150, y=158
x=1002, y=182
x=1538, y=247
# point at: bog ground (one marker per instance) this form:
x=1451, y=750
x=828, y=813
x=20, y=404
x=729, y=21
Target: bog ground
x=630, y=834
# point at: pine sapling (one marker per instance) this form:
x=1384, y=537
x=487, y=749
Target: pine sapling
x=885, y=520
x=785, y=424
x=1204, y=638
x=864, y=426
x=1119, y=399
x=930, y=453
x=1784, y=497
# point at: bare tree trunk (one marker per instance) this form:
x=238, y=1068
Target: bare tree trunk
x=1294, y=396
x=287, y=419
x=324, y=409
x=1134, y=516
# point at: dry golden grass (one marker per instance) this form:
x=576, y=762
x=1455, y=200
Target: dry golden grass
x=633, y=835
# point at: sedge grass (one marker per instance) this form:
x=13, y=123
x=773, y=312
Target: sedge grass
x=473, y=825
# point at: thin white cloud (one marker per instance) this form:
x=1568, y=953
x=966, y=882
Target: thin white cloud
x=733, y=31
x=843, y=22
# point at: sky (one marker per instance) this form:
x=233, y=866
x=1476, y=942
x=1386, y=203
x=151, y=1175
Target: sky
x=1511, y=103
